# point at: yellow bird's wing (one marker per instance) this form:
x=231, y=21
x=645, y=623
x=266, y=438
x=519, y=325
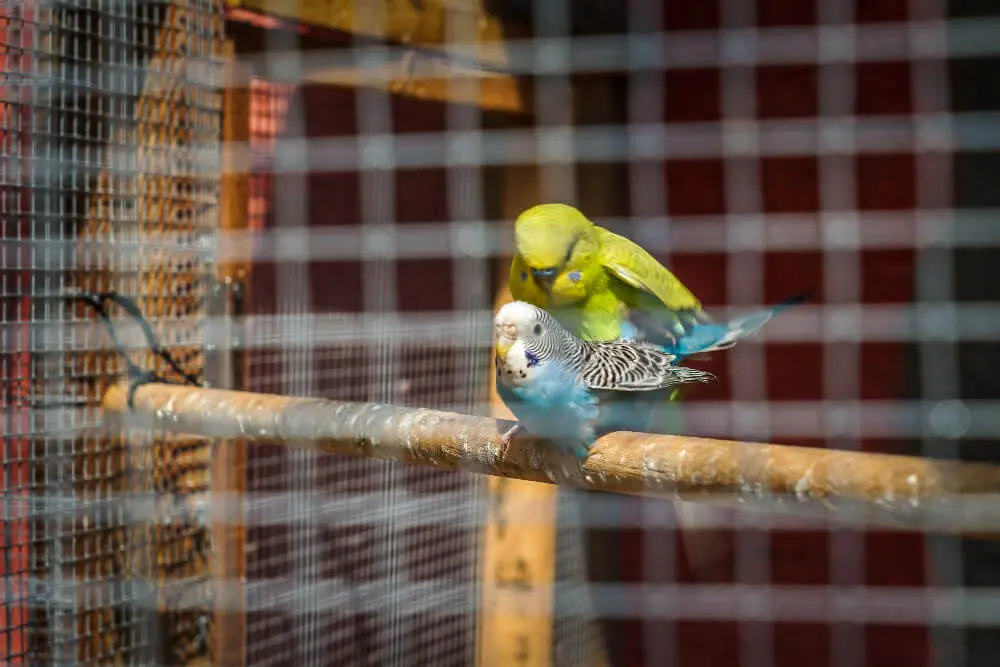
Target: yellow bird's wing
x=635, y=267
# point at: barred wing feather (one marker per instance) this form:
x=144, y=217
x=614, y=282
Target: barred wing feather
x=630, y=367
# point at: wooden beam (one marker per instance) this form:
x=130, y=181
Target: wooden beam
x=432, y=38
x=235, y=186
x=873, y=489
x=518, y=566
x=224, y=367
x=415, y=75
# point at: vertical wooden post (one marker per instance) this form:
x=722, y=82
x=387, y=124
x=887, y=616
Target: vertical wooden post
x=225, y=369
x=518, y=558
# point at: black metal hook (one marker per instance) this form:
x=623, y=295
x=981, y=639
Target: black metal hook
x=139, y=376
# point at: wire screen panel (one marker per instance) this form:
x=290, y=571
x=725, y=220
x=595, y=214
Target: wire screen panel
x=111, y=120
x=338, y=329
x=15, y=359
x=769, y=147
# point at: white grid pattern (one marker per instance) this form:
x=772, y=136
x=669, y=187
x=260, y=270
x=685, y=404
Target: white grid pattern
x=938, y=359
x=363, y=355
x=377, y=560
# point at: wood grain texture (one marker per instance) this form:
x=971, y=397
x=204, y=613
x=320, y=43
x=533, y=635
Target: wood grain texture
x=518, y=562
x=878, y=489
x=223, y=368
x=443, y=33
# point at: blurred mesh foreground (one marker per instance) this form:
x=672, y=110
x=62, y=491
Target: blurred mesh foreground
x=352, y=246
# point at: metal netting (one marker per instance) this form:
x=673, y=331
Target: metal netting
x=758, y=148
x=296, y=316
x=109, y=183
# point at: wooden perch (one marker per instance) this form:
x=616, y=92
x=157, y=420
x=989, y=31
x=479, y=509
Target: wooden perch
x=901, y=491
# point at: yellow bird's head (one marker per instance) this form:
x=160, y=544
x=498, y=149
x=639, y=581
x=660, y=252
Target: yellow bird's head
x=559, y=246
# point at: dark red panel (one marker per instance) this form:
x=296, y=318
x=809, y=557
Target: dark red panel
x=692, y=95
x=336, y=286
x=898, y=645
x=789, y=273
x=883, y=365
x=886, y=182
x=888, y=276
x=695, y=187
x=789, y=184
x=787, y=91
x=331, y=111
x=881, y=11
x=421, y=195
x=702, y=15
x=424, y=284
x=894, y=559
x=704, y=274
x=772, y=13
x=800, y=557
x=414, y=115
x=334, y=198
x=795, y=372
x=708, y=643
x=883, y=88
x=798, y=644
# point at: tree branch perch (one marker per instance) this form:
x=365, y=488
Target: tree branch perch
x=880, y=489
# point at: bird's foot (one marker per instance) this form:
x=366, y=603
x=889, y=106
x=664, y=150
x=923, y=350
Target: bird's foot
x=507, y=437
x=139, y=378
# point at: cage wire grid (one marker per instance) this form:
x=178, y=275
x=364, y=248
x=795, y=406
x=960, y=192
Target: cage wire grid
x=766, y=147
x=367, y=561
x=110, y=109
x=751, y=193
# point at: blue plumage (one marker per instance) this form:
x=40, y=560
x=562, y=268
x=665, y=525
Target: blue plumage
x=568, y=391
x=555, y=406
x=695, y=338
x=700, y=337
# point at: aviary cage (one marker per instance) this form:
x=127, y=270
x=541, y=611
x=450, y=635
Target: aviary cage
x=312, y=199
x=111, y=127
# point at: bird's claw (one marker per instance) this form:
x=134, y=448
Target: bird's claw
x=507, y=437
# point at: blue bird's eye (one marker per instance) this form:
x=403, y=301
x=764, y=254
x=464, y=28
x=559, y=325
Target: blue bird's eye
x=575, y=276
x=524, y=276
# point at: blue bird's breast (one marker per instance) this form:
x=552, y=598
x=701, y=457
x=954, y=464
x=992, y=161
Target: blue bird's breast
x=554, y=406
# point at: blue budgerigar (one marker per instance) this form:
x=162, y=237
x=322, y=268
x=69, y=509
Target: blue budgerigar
x=567, y=390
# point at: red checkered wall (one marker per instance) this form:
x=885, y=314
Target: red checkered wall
x=697, y=196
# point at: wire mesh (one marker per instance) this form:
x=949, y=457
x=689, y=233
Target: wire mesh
x=109, y=108
x=383, y=555
x=759, y=148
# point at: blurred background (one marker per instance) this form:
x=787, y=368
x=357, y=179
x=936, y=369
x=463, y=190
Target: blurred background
x=316, y=198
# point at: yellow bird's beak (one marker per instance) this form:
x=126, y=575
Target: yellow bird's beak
x=503, y=348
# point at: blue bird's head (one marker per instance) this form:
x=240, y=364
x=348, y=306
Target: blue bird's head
x=519, y=329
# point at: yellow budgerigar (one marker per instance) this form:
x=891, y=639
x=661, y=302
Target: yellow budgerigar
x=604, y=287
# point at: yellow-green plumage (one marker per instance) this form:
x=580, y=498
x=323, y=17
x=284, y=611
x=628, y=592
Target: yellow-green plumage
x=615, y=274
x=603, y=287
